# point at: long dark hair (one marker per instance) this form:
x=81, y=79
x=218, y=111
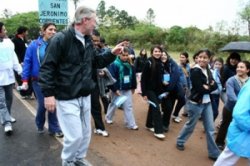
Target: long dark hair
x=186, y=55
x=143, y=55
x=233, y=55
x=153, y=65
x=47, y=24
x=208, y=53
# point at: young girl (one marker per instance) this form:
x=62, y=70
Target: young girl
x=139, y=64
x=151, y=86
x=173, y=87
x=233, y=86
x=215, y=95
x=200, y=105
x=125, y=85
x=186, y=85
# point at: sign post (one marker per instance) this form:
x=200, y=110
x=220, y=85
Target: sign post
x=55, y=11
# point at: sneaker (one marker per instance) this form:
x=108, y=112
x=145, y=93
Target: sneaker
x=177, y=119
x=8, y=130
x=56, y=134
x=103, y=133
x=180, y=147
x=135, y=127
x=150, y=129
x=159, y=136
x=12, y=120
x=68, y=163
x=82, y=162
x=40, y=131
x=108, y=121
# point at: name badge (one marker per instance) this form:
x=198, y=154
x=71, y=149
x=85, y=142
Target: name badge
x=126, y=79
x=166, y=77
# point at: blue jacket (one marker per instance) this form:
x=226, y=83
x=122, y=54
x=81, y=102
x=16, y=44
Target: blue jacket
x=31, y=64
x=217, y=79
x=185, y=80
x=238, y=137
x=233, y=89
x=175, y=77
x=124, y=73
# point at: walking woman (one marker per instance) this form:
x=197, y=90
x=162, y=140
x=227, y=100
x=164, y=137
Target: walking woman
x=32, y=61
x=185, y=83
x=229, y=70
x=151, y=86
x=139, y=64
x=173, y=86
x=199, y=105
x=233, y=86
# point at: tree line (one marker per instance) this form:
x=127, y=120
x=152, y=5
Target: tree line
x=115, y=25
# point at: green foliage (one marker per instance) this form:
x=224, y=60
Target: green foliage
x=115, y=25
x=29, y=20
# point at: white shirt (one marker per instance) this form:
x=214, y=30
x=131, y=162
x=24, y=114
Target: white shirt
x=8, y=63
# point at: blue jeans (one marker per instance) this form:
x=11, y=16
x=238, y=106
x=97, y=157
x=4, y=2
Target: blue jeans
x=194, y=112
x=41, y=111
x=4, y=114
x=215, y=99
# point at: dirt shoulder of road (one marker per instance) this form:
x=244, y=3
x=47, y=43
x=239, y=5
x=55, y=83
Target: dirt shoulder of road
x=140, y=148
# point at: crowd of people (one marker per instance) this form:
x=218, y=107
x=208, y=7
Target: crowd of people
x=71, y=70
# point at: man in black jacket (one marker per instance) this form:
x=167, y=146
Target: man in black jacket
x=20, y=48
x=66, y=82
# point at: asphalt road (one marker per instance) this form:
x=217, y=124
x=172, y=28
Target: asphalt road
x=25, y=147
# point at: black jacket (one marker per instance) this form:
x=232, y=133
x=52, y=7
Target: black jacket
x=140, y=63
x=20, y=48
x=66, y=72
x=198, y=79
x=152, y=75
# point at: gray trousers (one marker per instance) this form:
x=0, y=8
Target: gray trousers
x=4, y=113
x=75, y=121
x=127, y=106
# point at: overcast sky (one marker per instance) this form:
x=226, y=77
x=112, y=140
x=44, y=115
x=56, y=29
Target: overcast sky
x=199, y=13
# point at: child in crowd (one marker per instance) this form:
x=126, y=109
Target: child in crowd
x=185, y=83
x=215, y=95
x=125, y=85
x=139, y=64
x=172, y=85
x=152, y=87
x=200, y=105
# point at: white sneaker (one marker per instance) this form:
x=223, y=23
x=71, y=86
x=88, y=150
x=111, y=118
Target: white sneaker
x=104, y=133
x=135, y=127
x=150, y=129
x=12, y=120
x=8, y=130
x=159, y=136
x=177, y=119
x=108, y=121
